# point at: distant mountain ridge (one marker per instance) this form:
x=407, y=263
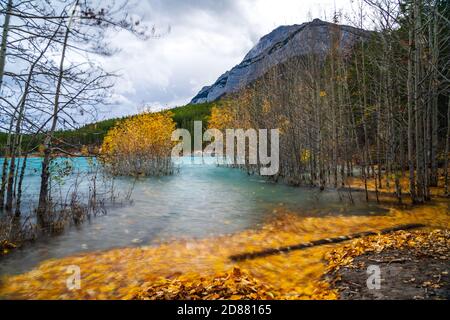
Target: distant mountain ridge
x=281, y=44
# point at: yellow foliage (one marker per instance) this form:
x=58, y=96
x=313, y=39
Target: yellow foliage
x=435, y=243
x=266, y=107
x=221, y=118
x=138, y=140
x=305, y=155
x=236, y=284
x=144, y=133
x=41, y=149
x=388, y=185
x=115, y=274
x=6, y=246
x=283, y=124
x=230, y=114
x=84, y=150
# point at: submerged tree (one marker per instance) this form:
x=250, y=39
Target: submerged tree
x=376, y=109
x=140, y=145
x=55, y=84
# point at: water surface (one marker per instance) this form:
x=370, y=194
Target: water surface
x=199, y=201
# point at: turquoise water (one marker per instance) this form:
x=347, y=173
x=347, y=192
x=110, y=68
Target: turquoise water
x=71, y=171
x=199, y=201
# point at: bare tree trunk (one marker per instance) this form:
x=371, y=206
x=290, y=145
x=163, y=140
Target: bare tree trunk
x=434, y=100
x=418, y=105
x=17, y=137
x=5, y=40
x=2, y=71
x=19, y=189
x=6, y=163
x=45, y=175
x=412, y=180
x=447, y=141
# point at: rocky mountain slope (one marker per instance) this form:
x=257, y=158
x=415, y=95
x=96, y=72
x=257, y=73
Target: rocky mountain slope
x=281, y=44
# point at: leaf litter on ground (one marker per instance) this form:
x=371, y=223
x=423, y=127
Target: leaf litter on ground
x=184, y=266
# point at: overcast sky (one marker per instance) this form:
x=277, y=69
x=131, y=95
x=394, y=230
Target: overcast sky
x=206, y=38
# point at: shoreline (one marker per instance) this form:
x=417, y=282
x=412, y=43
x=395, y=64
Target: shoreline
x=113, y=274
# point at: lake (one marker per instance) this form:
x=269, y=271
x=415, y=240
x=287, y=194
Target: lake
x=201, y=200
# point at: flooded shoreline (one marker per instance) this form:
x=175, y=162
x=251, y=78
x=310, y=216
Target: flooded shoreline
x=200, y=201
x=113, y=274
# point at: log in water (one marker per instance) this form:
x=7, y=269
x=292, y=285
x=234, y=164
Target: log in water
x=269, y=252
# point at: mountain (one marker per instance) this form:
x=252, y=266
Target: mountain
x=281, y=44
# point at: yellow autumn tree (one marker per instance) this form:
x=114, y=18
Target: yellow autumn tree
x=229, y=114
x=222, y=118
x=140, y=145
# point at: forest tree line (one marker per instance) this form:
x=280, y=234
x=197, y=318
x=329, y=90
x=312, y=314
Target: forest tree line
x=91, y=136
x=378, y=111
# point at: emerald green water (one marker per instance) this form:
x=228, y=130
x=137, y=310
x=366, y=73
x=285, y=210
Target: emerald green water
x=199, y=201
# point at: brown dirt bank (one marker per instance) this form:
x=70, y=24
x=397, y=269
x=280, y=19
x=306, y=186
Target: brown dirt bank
x=412, y=265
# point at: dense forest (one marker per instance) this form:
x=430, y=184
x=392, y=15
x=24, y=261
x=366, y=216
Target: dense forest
x=378, y=110
x=92, y=135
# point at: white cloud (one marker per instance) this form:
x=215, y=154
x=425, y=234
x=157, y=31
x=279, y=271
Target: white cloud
x=206, y=39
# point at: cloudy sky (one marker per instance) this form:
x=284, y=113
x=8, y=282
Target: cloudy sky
x=206, y=38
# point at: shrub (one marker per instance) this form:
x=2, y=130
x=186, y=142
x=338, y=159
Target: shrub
x=140, y=145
